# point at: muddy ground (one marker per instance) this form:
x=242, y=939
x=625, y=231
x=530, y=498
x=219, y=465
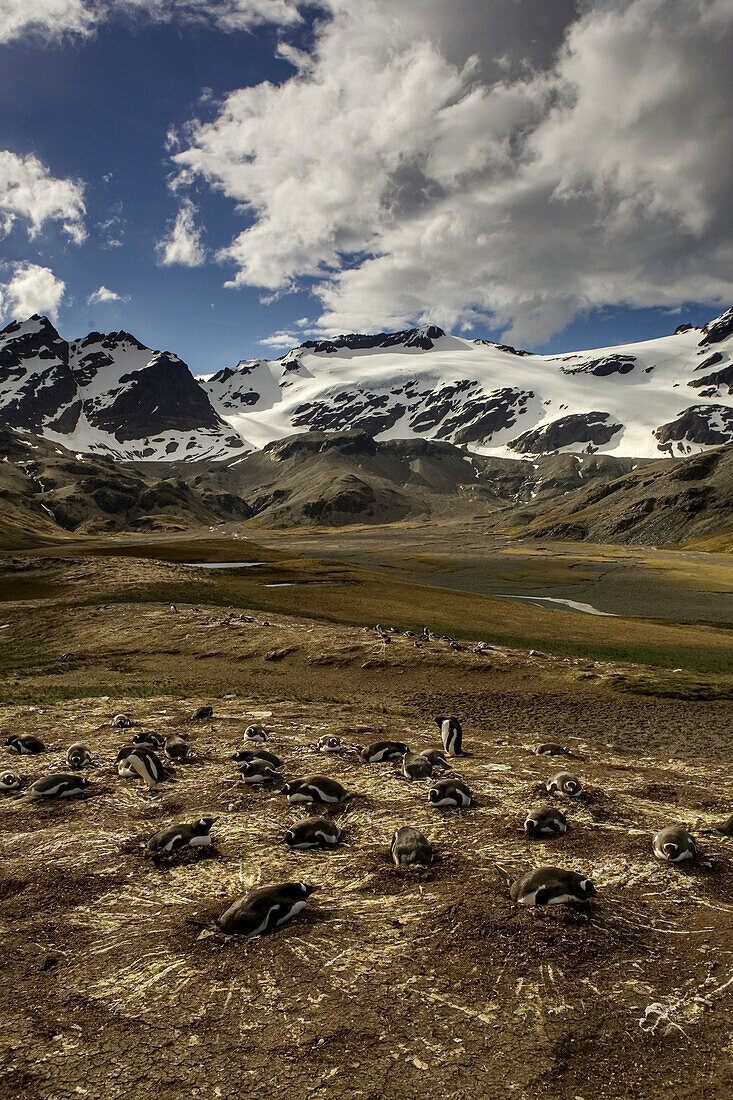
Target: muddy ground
x=391, y=983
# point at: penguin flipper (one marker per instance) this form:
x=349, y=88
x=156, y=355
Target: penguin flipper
x=504, y=874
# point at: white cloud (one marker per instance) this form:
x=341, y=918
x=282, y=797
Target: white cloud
x=432, y=162
x=29, y=192
x=281, y=339
x=183, y=245
x=102, y=295
x=31, y=289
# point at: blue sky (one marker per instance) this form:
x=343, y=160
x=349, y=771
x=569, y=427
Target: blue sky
x=381, y=172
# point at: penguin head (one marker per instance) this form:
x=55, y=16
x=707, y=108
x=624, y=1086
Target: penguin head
x=586, y=889
x=82, y=781
x=306, y=890
x=205, y=823
x=291, y=787
x=12, y=741
x=9, y=781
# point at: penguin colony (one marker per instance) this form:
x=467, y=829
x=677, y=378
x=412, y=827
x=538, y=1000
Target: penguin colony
x=265, y=909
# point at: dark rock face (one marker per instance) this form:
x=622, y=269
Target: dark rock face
x=356, y=442
x=719, y=329
x=710, y=425
x=718, y=378
x=482, y=417
x=35, y=378
x=593, y=428
x=349, y=409
x=410, y=338
x=602, y=368
x=711, y=361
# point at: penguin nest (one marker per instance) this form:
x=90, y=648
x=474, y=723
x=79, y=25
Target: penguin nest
x=430, y=969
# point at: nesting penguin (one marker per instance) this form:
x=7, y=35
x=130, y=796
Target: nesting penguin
x=122, y=721
x=257, y=734
x=195, y=834
x=451, y=733
x=410, y=848
x=9, y=781
x=316, y=788
x=202, y=713
x=450, y=794
x=436, y=758
x=416, y=766
x=257, y=772
x=725, y=828
x=564, y=783
x=264, y=910
x=143, y=763
x=547, y=821
x=57, y=785
x=78, y=756
x=552, y=749
x=247, y=756
x=549, y=886
x=25, y=744
x=674, y=845
x=314, y=832
x=330, y=744
x=150, y=741
x=381, y=751
x=177, y=749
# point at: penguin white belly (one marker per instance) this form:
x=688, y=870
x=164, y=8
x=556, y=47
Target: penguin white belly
x=199, y=841
x=292, y=912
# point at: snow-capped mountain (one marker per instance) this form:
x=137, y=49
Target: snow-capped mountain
x=107, y=394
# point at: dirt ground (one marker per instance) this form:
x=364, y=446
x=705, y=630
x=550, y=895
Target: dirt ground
x=391, y=983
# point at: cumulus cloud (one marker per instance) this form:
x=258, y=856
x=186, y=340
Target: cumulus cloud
x=103, y=295
x=439, y=162
x=183, y=245
x=30, y=193
x=281, y=339
x=31, y=289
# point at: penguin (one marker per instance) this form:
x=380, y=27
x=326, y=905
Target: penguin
x=78, y=756
x=566, y=784
x=674, y=845
x=122, y=721
x=314, y=832
x=330, y=744
x=247, y=756
x=141, y=762
x=546, y=821
x=724, y=829
x=256, y=772
x=381, y=751
x=196, y=834
x=177, y=749
x=264, y=910
x=551, y=749
x=255, y=733
x=450, y=793
x=436, y=758
x=202, y=713
x=316, y=788
x=25, y=744
x=415, y=766
x=548, y=886
x=451, y=734
x=58, y=785
x=9, y=781
x=151, y=741
x=410, y=848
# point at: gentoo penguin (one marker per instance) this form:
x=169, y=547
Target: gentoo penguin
x=436, y=758
x=9, y=781
x=316, y=788
x=416, y=766
x=674, y=844
x=25, y=744
x=314, y=832
x=246, y=756
x=547, y=821
x=265, y=909
x=330, y=744
x=451, y=734
x=409, y=848
x=142, y=763
x=256, y=734
x=58, y=785
x=551, y=749
x=195, y=834
x=449, y=793
x=724, y=829
x=177, y=749
x=256, y=772
x=202, y=713
x=78, y=756
x=148, y=741
x=122, y=721
x=548, y=886
x=564, y=783
x=381, y=751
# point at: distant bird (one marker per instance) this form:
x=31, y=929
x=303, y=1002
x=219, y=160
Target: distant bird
x=547, y=821
x=381, y=751
x=551, y=749
x=724, y=829
x=436, y=758
x=78, y=756
x=248, y=756
x=257, y=772
x=255, y=733
x=450, y=793
x=58, y=785
x=25, y=744
x=122, y=721
x=148, y=741
x=143, y=763
x=264, y=910
x=9, y=781
x=202, y=713
x=196, y=834
x=177, y=749
x=566, y=784
x=316, y=788
x=548, y=886
x=416, y=766
x=410, y=848
x=674, y=844
x=330, y=744
x=451, y=733
x=314, y=832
